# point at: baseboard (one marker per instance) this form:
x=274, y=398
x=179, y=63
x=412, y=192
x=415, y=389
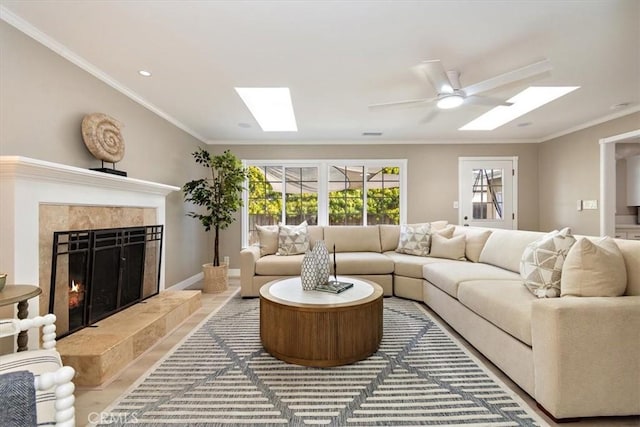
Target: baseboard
x=232, y=272
x=187, y=282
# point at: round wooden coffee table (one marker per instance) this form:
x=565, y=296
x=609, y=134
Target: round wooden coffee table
x=314, y=328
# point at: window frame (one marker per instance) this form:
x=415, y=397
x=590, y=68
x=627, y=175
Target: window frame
x=323, y=186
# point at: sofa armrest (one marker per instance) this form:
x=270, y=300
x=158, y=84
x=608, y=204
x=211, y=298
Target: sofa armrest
x=248, y=258
x=586, y=355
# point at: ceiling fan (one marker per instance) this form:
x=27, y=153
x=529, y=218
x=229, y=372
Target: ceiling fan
x=451, y=94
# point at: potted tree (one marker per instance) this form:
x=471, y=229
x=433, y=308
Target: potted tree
x=221, y=196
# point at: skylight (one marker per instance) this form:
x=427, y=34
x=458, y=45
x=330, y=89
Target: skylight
x=271, y=107
x=527, y=100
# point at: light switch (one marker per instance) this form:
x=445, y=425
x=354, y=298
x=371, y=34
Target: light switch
x=579, y=205
x=590, y=204
x=455, y=205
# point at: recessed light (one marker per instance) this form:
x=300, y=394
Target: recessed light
x=524, y=102
x=144, y=73
x=244, y=125
x=372, y=133
x=271, y=107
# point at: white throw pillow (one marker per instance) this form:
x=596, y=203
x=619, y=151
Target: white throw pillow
x=415, y=239
x=594, y=269
x=293, y=239
x=438, y=225
x=474, y=242
x=451, y=248
x=542, y=261
x=267, y=239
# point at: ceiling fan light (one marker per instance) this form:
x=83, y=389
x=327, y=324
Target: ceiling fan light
x=450, y=101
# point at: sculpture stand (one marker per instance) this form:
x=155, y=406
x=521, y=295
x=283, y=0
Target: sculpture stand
x=112, y=170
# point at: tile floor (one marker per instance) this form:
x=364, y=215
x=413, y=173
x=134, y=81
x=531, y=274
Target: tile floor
x=90, y=402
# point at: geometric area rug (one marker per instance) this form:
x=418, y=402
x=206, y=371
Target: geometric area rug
x=220, y=375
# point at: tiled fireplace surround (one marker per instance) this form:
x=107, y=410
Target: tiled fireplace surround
x=39, y=197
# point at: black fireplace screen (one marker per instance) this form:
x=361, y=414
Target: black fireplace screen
x=96, y=273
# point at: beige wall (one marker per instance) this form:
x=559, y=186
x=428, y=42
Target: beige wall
x=432, y=175
x=43, y=99
x=569, y=170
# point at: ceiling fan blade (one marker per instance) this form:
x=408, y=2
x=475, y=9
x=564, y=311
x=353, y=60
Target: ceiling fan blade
x=431, y=114
x=407, y=102
x=509, y=77
x=483, y=100
x=435, y=74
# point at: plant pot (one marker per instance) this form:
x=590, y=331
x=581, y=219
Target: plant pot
x=215, y=278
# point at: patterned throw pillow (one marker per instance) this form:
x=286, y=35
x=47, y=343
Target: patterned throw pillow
x=293, y=239
x=415, y=239
x=542, y=260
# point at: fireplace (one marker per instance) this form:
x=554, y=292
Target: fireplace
x=97, y=273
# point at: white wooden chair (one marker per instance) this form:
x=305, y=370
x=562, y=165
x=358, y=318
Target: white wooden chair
x=52, y=381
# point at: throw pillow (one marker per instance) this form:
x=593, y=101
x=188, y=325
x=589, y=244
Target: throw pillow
x=594, y=269
x=415, y=239
x=542, y=261
x=447, y=231
x=267, y=239
x=475, y=240
x=451, y=248
x=438, y=225
x=293, y=239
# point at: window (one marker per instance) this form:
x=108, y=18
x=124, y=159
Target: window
x=487, y=193
x=334, y=192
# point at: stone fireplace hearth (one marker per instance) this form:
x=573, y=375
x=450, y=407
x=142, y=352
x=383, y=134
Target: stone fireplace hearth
x=40, y=197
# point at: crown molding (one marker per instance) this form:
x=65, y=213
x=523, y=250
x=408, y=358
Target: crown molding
x=595, y=122
x=371, y=142
x=14, y=20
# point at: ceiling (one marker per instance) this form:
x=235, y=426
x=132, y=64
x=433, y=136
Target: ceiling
x=337, y=57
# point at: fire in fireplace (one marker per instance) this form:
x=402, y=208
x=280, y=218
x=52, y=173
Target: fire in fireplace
x=96, y=273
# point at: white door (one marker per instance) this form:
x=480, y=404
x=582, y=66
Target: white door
x=488, y=191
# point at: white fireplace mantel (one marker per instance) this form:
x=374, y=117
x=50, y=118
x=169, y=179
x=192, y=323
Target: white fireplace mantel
x=27, y=183
x=40, y=170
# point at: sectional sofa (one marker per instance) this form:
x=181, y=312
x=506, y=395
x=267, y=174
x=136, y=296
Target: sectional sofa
x=576, y=356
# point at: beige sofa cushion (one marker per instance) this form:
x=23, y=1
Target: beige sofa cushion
x=316, y=232
x=348, y=238
x=389, y=236
x=594, y=269
x=505, y=303
x=275, y=265
x=411, y=265
x=475, y=241
x=447, y=276
x=631, y=253
x=362, y=263
x=504, y=248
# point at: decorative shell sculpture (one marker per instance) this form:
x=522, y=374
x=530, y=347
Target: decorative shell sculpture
x=101, y=135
